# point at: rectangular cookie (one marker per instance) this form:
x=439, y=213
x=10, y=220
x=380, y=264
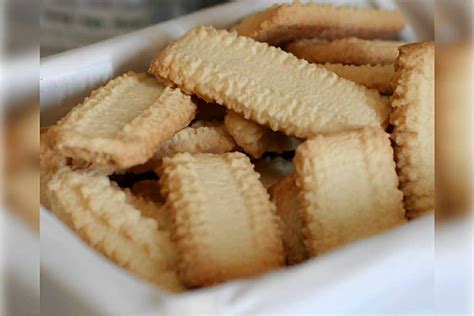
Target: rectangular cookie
x=284, y=23
x=50, y=161
x=284, y=194
x=347, y=51
x=224, y=226
x=256, y=139
x=413, y=121
x=267, y=85
x=104, y=217
x=123, y=123
x=348, y=188
x=200, y=137
x=377, y=77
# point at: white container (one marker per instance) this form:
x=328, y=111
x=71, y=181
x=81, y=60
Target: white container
x=391, y=272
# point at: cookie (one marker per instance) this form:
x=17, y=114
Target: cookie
x=198, y=138
x=371, y=76
x=348, y=188
x=313, y=101
x=224, y=226
x=50, y=161
x=256, y=139
x=284, y=195
x=123, y=123
x=101, y=214
x=284, y=23
x=347, y=51
x=413, y=121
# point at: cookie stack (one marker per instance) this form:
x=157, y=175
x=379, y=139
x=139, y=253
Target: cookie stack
x=215, y=195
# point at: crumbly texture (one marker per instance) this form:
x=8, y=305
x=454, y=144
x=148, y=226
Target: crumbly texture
x=256, y=139
x=284, y=23
x=224, y=226
x=284, y=195
x=102, y=215
x=413, y=120
x=347, y=51
x=371, y=76
x=272, y=170
x=348, y=188
x=123, y=123
x=314, y=101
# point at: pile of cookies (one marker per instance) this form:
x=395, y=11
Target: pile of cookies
x=251, y=149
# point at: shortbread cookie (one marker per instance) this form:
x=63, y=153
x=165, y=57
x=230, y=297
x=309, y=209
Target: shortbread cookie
x=284, y=23
x=101, y=214
x=284, y=195
x=50, y=161
x=347, y=51
x=256, y=139
x=268, y=86
x=371, y=76
x=123, y=123
x=348, y=188
x=198, y=139
x=413, y=120
x=272, y=170
x=224, y=226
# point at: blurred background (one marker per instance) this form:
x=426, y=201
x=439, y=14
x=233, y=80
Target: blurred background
x=66, y=24
x=30, y=29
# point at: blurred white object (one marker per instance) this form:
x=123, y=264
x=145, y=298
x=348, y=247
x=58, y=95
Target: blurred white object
x=19, y=267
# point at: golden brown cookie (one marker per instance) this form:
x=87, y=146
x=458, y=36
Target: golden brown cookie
x=371, y=76
x=313, y=101
x=50, y=161
x=256, y=139
x=347, y=51
x=102, y=215
x=198, y=138
x=413, y=120
x=224, y=226
x=348, y=188
x=284, y=23
x=124, y=122
x=284, y=195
